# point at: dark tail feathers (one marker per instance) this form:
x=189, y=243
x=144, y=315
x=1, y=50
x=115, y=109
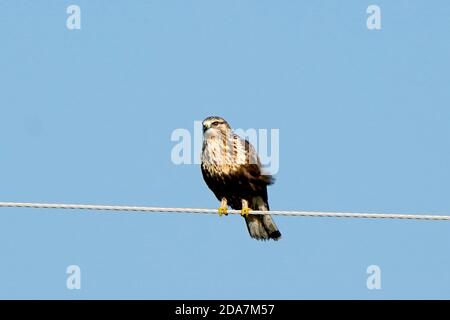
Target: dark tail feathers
x=262, y=227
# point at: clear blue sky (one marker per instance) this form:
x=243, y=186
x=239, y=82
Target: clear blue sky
x=86, y=117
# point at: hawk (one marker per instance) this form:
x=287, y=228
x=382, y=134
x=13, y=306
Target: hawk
x=232, y=170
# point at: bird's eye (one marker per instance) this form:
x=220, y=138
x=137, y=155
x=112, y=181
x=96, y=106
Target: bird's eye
x=215, y=123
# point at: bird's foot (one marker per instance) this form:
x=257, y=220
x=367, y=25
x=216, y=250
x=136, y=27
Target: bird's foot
x=223, y=211
x=245, y=212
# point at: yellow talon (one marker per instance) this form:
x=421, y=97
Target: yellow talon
x=245, y=212
x=223, y=211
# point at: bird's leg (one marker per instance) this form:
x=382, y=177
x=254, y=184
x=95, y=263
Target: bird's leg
x=245, y=210
x=223, y=207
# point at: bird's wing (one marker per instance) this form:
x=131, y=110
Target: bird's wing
x=249, y=164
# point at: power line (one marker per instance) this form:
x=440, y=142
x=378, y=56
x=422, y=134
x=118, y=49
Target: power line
x=214, y=211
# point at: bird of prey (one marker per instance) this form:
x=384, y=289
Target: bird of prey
x=232, y=170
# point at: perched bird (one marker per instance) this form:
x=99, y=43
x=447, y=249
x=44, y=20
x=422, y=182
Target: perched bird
x=232, y=170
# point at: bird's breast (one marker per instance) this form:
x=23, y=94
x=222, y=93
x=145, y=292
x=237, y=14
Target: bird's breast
x=217, y=158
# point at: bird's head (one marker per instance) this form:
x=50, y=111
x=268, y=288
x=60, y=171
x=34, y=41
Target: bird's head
x=216, y=124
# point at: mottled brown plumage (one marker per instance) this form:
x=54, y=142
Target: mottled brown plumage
x=232, y=170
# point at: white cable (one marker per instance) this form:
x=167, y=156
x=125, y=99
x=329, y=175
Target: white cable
x=214, y=211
